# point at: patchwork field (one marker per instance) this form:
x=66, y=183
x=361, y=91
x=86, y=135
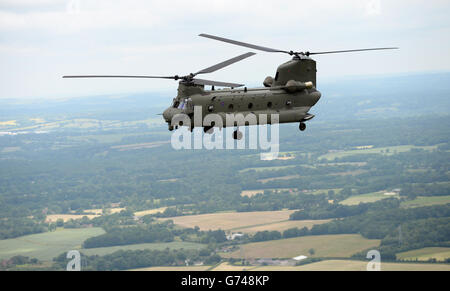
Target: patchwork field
x=137, y=146
x=349, y=265
x=282, y=226
x=426, y=201
x=368, y=198
x=46, y=246
x=327, y=265
x=337, y=246
x=382, y=150
x=187, y=268
x=231, y=220
x=225, y=266
x=146, y=246
x=150, y=211
x=440, y=254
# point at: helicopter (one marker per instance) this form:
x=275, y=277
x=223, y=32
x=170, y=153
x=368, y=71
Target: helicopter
x=289, y=95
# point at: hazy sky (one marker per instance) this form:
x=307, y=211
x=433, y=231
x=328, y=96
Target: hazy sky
x=41, y=40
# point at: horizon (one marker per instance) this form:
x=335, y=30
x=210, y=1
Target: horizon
x=40, y=41
x=170, y=91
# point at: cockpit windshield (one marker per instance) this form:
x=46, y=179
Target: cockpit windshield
x=175, y=103
x=182, y=104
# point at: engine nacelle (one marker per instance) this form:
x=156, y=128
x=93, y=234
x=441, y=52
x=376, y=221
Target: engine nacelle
x=268, y=81
x=295, y=86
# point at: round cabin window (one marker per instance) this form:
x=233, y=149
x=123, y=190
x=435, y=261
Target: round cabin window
x=230, y=107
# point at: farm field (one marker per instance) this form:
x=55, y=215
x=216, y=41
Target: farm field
x=424, y=254
x=350, y=265
x=282, y=226
x=147, y=246
x=367, y=198
x=327, y=265
x=337, y=246
x=426, y=201
x=150, y=211
x=225, y=266
x=46, y=246
x=381, y=150
x=231, y=220
x=187, y=268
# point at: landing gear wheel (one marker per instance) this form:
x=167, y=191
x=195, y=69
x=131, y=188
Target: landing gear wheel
x=302, y=126
x=237, y=134
x=208, y=130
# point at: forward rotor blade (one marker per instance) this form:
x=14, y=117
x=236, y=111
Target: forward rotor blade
x=224, y=64
x=347, y=51
x=257, y=47
x=216, y=83
x=118, y=76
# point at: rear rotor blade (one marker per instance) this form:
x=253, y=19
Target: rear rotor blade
x=257, y=47
x=216, y=83
x=118, y=76
x=224, y=64
x=347, y=51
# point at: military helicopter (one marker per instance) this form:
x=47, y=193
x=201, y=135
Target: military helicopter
x=289, y=95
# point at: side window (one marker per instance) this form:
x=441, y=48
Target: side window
x=230, y=107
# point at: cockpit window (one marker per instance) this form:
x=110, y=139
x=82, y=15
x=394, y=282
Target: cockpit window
x=276, y=76
x=175, y=103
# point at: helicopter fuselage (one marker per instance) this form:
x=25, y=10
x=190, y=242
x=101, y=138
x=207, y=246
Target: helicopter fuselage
x=290, y=95
x=288, y=106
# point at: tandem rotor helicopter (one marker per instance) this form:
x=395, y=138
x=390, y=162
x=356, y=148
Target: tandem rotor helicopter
x=290, y=94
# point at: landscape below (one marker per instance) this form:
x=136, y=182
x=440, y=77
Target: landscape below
x=99, y=175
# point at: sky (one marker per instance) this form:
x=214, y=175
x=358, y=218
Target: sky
x=42, y=40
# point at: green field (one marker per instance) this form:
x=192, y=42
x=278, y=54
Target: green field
x=337, y=246
x=426, y=201
x=366, y=198
x=382, y=150
x=46, y=246
x=147, y=246
x=440, y=254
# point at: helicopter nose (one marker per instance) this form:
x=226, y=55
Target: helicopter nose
x=167, y=115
